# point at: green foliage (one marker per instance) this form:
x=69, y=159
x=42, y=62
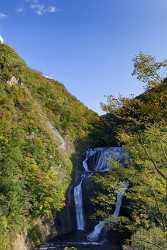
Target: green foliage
x=34, y=234
x=149, y=181
x=145, y=205
x=132, y=115
x=148, y=70
x=10, y=63
x=4, y=241
x=112, y=104
x=152, y=239
x=140, y=125
x=135, y=114
x=34, y=173
x=68, y=114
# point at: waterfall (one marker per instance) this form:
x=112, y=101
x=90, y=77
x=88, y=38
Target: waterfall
x=96, y=232
x=78, y=199
x=96, y=161
x=120, y=194
x=103, y=161
x=107, y=155
x=93, y=236
x=100, y=161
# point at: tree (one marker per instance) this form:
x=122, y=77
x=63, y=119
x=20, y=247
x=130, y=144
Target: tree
x=153, y=239
x=148, y=193
x=148, y=70
x=112, y=103
x=145, y=203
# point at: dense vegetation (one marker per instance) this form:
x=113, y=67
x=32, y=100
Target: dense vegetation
x=140, y=125
x=38, y=115
x=34, y=170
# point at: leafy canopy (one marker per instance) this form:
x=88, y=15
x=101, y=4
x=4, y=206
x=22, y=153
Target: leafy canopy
x=148, y=70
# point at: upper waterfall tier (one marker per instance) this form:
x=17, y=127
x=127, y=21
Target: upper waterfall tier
x=100, y=159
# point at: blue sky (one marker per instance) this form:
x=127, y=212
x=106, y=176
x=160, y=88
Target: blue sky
x=86, y=44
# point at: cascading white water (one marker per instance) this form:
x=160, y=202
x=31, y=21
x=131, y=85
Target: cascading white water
x=106, y=155
x=89, y=153
x=94, y=236
x=120, y=194
x=102, y=163
x=97, y=160
x=78, y=199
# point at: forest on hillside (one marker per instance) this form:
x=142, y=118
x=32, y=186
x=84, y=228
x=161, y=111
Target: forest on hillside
x=40, y=124
x=140, y=125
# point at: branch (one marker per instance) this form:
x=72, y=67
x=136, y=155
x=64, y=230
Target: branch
x=162, y=222
x=153, y=162
x=163, y=150
x=150, y=243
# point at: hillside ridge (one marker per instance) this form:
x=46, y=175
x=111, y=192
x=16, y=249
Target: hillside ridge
x=41, y=126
